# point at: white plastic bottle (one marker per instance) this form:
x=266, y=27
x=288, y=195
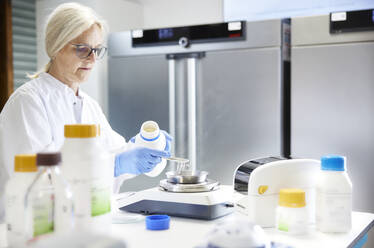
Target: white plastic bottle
x=89, y=169
x=291, y=213
x=49, y=203
x=150, y=136
x=24, y=173
x=333, y=196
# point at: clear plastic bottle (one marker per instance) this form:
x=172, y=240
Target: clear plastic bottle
x=49, y=203
x=291, y=213
x=89, y=169
x=150, y=136
x=25, y=171
x=333, y=196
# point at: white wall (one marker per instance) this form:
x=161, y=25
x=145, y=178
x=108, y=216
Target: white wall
x=166, y=13
x=120, y=15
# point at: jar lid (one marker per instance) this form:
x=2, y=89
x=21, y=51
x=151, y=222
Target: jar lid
x=292, y=198
x=157, y=222
x=48, y=158
x=25, y=163
x=81, y=131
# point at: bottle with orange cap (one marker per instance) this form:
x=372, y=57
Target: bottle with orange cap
x=24, y=173
x=89, y=169
x=291, y=213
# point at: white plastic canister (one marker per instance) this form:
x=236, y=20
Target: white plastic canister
x=89, y=169
x=150, y=136
x=24, y=173
x=333, y=196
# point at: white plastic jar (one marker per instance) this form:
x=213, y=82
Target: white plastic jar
x=89, y=170
x=333, y=196
x=25, y=171
x=291, y=213
x=150, y=136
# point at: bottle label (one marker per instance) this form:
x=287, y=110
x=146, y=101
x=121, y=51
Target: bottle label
x=100, y=199
x=293, y=222
x=43, y=214
x=11, y=207
x=333, y=211
x=14, y=217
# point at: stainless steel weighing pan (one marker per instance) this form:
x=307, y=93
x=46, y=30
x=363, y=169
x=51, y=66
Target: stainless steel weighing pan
x=186, y=177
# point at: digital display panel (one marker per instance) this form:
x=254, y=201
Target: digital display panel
x=352, y=21
x=216, y=32
x=165, y=33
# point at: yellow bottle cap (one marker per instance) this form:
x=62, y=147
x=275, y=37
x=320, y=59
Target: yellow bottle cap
x=25, y=163
x=81, y=131
x=292, y=198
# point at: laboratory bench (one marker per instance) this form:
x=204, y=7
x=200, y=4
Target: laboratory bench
x=188, y=233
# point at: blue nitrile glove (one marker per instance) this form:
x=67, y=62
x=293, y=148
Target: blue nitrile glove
x=138, y=160
x=141, y=160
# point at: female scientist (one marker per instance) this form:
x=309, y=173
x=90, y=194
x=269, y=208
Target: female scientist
x=33, y=119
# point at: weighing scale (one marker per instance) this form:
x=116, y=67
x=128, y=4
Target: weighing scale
x=190, y=195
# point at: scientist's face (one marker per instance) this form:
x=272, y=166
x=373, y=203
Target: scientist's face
x=72, y=63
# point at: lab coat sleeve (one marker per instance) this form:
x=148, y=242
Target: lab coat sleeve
x=24, y=128
x=121, y=178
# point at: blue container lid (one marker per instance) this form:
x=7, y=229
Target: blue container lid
x=157, y=222
x=333, y=163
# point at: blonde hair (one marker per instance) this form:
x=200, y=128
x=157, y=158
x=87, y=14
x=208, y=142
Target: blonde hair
x=64, y=24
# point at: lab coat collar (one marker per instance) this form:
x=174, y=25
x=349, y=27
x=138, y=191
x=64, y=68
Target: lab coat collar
x=57, y=84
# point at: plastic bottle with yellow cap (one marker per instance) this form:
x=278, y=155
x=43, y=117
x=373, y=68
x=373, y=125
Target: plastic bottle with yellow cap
x=89, y=169
x=25, y=171
x=291, y=213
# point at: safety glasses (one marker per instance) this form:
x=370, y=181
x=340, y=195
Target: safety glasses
x=83, y=51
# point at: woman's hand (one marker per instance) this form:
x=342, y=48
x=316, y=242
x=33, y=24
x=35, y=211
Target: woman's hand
x=138, y=160
x=141, y=160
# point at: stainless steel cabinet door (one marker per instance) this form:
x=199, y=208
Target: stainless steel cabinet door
x=138, y=91
x=238, y=109
x=333, y=110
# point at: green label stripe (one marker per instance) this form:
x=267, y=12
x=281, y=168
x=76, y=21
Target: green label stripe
x=100, y=201
x=283, y=227
x=43, y=217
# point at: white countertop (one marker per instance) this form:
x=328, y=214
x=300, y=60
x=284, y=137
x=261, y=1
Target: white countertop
x=188, y=233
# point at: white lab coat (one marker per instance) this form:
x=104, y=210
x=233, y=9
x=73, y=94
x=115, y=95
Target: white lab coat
x=33, y=120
